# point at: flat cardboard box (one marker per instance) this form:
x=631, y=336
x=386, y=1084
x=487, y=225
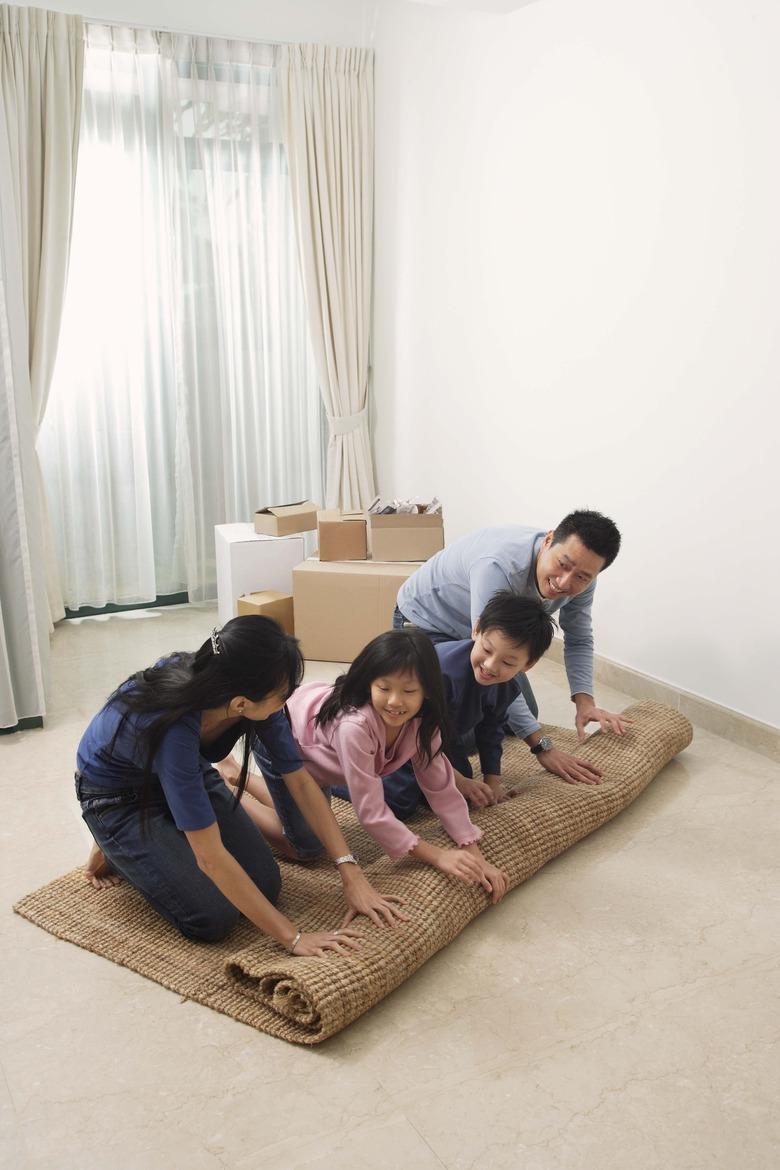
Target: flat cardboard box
x=405, y=536
x=342, y=605
x=247, y=562
x=284, y=519
x=269, y=603
x=342, y=535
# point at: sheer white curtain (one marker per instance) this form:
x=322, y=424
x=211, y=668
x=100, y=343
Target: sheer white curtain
x=185, y=392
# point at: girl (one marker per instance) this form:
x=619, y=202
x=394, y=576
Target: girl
x=160, y=814
x=387, y=709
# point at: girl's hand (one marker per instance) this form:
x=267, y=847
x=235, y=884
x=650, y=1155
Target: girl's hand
x=318, y=943
x=362, y=898
x=458, y=864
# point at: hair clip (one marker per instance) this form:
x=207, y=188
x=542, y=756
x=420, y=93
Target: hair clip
x=216, y=644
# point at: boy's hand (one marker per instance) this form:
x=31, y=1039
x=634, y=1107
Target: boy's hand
x=477, y=793
x=496, y=786
x=499, y=882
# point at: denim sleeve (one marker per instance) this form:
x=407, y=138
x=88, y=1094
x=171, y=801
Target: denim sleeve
x=178, y=766
x=274, y=743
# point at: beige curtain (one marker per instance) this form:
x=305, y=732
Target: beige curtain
x=327, y=112
x=41, y=69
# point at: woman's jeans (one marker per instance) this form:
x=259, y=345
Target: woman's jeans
x=156, y=858
x=296, y=828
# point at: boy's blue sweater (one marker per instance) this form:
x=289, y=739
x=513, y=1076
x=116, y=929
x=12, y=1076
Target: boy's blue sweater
x=474, y=707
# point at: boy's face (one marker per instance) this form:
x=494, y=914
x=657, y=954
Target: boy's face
x=496, y=659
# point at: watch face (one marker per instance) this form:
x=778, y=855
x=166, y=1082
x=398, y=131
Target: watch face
x=545, y=743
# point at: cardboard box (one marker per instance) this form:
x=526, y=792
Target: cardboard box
x=404, y=536
x=342, y=536
x=284, y=519
x=342, y=605
x=247, y=562
x=269, y=603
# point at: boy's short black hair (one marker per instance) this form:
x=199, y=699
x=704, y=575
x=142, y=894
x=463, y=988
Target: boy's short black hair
x=598, y=533
x=523, y=620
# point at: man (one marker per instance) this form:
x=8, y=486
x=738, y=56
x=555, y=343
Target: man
x=448, y=593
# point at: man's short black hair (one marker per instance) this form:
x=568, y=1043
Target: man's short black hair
x=523, y=620
x=598, y=533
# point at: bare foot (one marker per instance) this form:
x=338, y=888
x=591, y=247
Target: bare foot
x=229, y=771
x=98, y=872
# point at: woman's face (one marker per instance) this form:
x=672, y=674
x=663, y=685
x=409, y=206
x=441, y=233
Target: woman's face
x=259, y=710
x=397, y=698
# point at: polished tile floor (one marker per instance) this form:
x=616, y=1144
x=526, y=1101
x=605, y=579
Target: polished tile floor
x=620, y=1010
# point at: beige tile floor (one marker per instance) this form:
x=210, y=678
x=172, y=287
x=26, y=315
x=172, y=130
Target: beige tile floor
x=619, y=1010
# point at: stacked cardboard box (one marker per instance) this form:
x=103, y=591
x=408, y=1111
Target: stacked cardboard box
x=285, y=519
x=341, y=605
x=247, y=561
x=269, y=603
x=398, y=536
x=341, y=535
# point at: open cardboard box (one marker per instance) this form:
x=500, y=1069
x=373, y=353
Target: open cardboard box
x=405, y=536
x=284, y=519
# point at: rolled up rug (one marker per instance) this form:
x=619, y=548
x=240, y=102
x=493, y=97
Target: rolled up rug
x=306, y=1000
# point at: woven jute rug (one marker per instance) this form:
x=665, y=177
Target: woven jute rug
x=306, y=1000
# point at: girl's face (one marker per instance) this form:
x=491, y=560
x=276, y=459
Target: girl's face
x=397, y=698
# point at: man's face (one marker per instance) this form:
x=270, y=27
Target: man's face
x=566, y=568
x=496, y=659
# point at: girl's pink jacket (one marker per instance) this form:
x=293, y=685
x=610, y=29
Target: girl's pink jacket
x=351, y=749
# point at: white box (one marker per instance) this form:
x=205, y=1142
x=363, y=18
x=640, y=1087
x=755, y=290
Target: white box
x=248, y=563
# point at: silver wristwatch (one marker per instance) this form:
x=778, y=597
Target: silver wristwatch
x=544, y=745
x=346, y=859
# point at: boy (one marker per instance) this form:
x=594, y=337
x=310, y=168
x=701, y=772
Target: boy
x=511, y=635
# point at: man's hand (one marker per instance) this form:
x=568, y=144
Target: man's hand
x=569, y=768
x=590, y=713
x=476, y=793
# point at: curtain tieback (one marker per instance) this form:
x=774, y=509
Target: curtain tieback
x=344, y=424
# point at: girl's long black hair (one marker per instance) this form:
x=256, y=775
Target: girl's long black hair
x=250, y=656
x=407, y=651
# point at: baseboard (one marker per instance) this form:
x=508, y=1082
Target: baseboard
x=23, y=725
x=741, y=729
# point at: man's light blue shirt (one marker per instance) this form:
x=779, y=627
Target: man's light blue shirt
x=448, y=593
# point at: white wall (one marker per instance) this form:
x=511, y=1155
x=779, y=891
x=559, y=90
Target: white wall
x=577, y=293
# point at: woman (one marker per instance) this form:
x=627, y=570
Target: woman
x=160, y=814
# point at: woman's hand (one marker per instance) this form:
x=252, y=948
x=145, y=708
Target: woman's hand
x=362, y=898
x=318, y=943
